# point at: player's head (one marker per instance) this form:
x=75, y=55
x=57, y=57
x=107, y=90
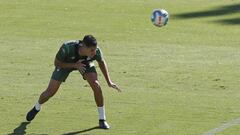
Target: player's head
x=90, y=45
x=90, y=41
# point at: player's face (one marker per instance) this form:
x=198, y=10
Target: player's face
x=91, y=51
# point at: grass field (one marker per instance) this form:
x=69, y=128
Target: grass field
x=182, y=79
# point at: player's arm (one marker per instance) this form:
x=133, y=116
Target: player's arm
x=77, y=65
x=103, y=66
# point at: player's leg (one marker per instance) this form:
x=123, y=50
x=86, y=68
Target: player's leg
x=47, y=94
x=58, y=76
x=97, y=91
x=50, y=91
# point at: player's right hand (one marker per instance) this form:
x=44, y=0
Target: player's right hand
x=79, y=65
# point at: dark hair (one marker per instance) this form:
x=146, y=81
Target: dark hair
x=90, y=41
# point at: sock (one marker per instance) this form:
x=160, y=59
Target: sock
x=101, y=112
x=38, y=106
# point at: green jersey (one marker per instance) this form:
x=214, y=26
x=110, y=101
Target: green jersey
x=68, y=53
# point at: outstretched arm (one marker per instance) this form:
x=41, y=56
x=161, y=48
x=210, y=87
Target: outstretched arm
x=103, y=66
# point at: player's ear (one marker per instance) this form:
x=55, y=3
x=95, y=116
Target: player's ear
x=84, y=46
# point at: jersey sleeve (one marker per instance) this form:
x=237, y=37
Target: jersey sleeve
x=99, y=55
x=62, y=53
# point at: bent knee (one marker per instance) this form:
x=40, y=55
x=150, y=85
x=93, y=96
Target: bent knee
x=95, y=86
x=95, y=83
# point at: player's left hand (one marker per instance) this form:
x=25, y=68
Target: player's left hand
x=113, y=85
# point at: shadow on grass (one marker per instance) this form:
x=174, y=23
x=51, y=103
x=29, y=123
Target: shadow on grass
x=20, y=130
x=223, y=10
x=81, y=131
x=232, y=21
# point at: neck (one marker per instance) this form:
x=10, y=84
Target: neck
x=81, y=51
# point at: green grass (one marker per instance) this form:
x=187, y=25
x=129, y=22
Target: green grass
x=182, y=79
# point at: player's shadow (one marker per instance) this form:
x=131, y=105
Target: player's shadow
x=20, y=130
x=229, y=21
x=223, y=10
x=81, y=131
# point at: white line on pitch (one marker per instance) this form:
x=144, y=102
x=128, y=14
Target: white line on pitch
x=223, y=127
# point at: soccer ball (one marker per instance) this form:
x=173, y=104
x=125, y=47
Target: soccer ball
x=159, y=17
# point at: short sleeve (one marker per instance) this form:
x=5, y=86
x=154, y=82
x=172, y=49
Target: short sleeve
x=99, y=55
x=62, y=53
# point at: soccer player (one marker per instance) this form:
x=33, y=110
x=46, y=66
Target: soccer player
x=77, y=55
